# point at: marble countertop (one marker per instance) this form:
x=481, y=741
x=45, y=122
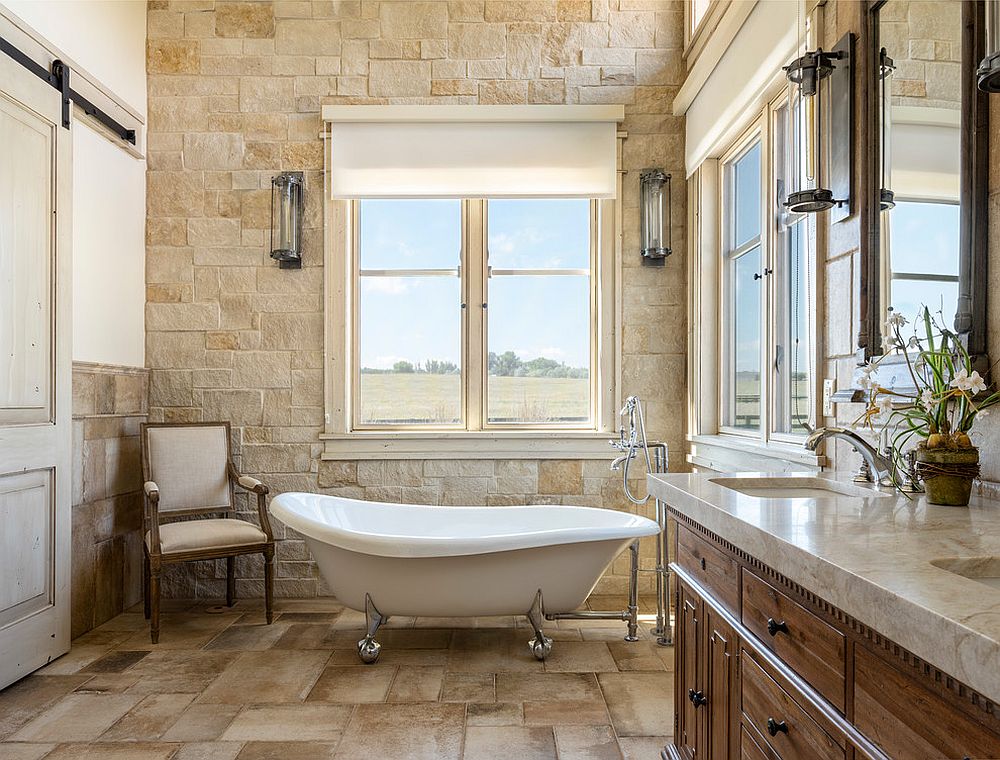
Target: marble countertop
x=872, y=558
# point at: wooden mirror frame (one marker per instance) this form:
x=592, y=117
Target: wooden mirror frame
x=970, y=317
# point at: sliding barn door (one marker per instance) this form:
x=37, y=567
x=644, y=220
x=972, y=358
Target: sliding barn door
x=35, y=374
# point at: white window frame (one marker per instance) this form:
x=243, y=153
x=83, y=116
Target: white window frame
x=344, y=439
x=714, y=445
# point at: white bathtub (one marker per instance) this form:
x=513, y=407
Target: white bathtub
x=458, y=561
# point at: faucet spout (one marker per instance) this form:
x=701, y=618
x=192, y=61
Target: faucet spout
x=880, y=468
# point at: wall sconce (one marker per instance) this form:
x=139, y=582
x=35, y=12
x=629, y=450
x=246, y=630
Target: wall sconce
x=286, y=219
x=654, y=216
x=807, y=193
x=988, y=73
x=887, y=198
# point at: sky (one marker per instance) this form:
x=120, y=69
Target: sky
x=419, y=318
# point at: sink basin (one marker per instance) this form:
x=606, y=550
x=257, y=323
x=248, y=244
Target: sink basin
x=985, y=570
x=795, y=488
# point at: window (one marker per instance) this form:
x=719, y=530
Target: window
x=923, y=245
x=475, y=314
x=766, y=373
x=696, y=13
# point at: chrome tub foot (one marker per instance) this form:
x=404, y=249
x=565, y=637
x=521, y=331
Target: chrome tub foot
x=541, y=644
x=368, y=648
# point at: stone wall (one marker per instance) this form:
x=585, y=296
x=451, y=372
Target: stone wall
x=235, y=90
x=924, y=41
x=109, y=403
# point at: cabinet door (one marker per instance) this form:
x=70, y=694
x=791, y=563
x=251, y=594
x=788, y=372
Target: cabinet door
x=720, y=683
x=688, y=663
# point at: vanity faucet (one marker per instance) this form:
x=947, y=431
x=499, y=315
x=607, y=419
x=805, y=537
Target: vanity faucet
x=877, y=467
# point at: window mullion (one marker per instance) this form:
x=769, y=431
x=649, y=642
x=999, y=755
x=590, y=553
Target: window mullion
x=474, y=328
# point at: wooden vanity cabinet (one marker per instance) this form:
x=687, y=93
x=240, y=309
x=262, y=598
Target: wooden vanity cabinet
x=766, y=670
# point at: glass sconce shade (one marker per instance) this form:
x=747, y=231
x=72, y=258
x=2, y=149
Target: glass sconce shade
x=887, y=199
x=806, y=193
x=988, y=73
x=286, y=219
x=654, y=210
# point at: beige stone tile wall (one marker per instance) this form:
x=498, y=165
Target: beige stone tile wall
x=235, y=90
x=924, y=40
x=109, y=403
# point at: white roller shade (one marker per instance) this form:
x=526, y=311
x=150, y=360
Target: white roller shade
x=925, y=153
x=472, y=151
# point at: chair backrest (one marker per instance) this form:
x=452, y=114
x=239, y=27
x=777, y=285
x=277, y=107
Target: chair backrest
x=189, y=463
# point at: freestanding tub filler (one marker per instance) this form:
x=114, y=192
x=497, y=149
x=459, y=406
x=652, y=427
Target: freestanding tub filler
x=402, y=559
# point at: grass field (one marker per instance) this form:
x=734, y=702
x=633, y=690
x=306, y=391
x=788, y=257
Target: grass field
x=419, y=398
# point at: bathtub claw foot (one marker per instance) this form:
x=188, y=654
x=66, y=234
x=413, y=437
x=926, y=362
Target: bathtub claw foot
x=368, y=648
x=541, y=644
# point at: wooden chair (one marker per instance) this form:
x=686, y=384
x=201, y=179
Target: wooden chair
x=188, y=472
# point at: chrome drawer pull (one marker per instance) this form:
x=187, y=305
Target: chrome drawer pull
x=774, y=727
x=774, y=626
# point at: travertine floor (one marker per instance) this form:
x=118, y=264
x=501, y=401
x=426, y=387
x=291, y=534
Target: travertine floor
x=222, y=685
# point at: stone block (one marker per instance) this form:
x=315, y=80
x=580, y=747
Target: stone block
x=560, y=477
x=266, y=94
x=261, y=369
x=399, y=78
x=547, y=91
x=173, y=57
x=250, y=19
x=213, y=151
x=213, y=232
x=307, y=37
x=524, y=53
x=276, y=458
x=239, y=407
x=337, y=473
x=182, y=316
x=473, y=41
x=520, y=10
x=413, y=20
x=631, y=29
x=503, y=92
x=466, y=10
x=173, y=350
x=291, y=331
x=174, y=193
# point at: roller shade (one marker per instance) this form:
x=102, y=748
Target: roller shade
x=472, y=151
x=917, y=170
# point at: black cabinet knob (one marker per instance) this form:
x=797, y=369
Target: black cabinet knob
x=697, y=698
x=775, y=727
x=776, y=626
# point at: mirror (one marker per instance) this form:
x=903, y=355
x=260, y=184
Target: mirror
x=925, y=168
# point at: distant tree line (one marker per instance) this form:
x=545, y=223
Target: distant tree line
x=507, y=364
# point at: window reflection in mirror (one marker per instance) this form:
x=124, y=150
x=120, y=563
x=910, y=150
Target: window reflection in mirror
x=920, y=235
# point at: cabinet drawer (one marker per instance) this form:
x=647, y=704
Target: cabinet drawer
x=910, y=722
x=785, y=726
x=710, y=566
x=811, y=647
x=752, y=749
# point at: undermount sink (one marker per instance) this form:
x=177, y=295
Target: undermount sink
x=985, y=570
x=795, y=488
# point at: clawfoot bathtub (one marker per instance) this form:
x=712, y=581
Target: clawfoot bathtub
x=402, y=559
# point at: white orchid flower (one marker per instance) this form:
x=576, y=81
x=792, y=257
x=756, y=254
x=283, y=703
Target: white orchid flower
x=927, y=398
x=914, y=342
x=866, y=380
x=976, y=383
x=884, y=404
x=889, y=342
x=961, y=380
x=895, y=319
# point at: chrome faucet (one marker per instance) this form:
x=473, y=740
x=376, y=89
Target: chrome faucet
x=877, y=467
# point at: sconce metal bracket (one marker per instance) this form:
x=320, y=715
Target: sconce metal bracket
x=842, y=127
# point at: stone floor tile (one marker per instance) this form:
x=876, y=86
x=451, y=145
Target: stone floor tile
x=77, y=718
x=353, y=685
x=641, y=656
x=201, y=723
x=468, y=687
x=588, y=743
x=182, y=631
x=174, y=672
x=115, y=661
x=566, y=712
x=522, y=687
x=417, y=731
x=642, y=747
x=641, y=704
x=503, y=659
x=246, y=638
x=425, y=657
x=109, y=683
x=289, y=723
x=74, y=661
x=306, y=636
x=262, y=677
x=494, y=714
x=287, y=751
x=22, y=701
x=311, y=604
x=492, y=742
x=414, y=638
x=20, y=751
x=208, y=751
x=580, y=657
x=310, y=617
x=416, y=684
x=114, y=751
x=148, y=720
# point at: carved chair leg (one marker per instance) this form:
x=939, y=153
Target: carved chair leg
x=154, y=594
x=269, y=585
x=230, y=581
x=145, y=583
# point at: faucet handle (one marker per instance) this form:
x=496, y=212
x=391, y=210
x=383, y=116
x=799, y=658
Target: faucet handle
x=864, y=473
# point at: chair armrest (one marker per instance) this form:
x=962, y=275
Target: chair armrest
x=254, y=486
x=152, y=490
x=152, y=515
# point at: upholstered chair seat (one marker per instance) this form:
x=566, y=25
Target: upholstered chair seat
x=190, y=514
x=197, y=535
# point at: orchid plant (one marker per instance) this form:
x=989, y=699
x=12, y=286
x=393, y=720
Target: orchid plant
x=949, y=393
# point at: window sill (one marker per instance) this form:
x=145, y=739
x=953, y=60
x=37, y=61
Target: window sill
x=493, y=444
x=730, y=452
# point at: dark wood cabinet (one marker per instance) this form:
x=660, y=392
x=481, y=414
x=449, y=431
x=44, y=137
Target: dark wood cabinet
x=765, y=670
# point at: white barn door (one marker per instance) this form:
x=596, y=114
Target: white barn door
x=35, y=374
